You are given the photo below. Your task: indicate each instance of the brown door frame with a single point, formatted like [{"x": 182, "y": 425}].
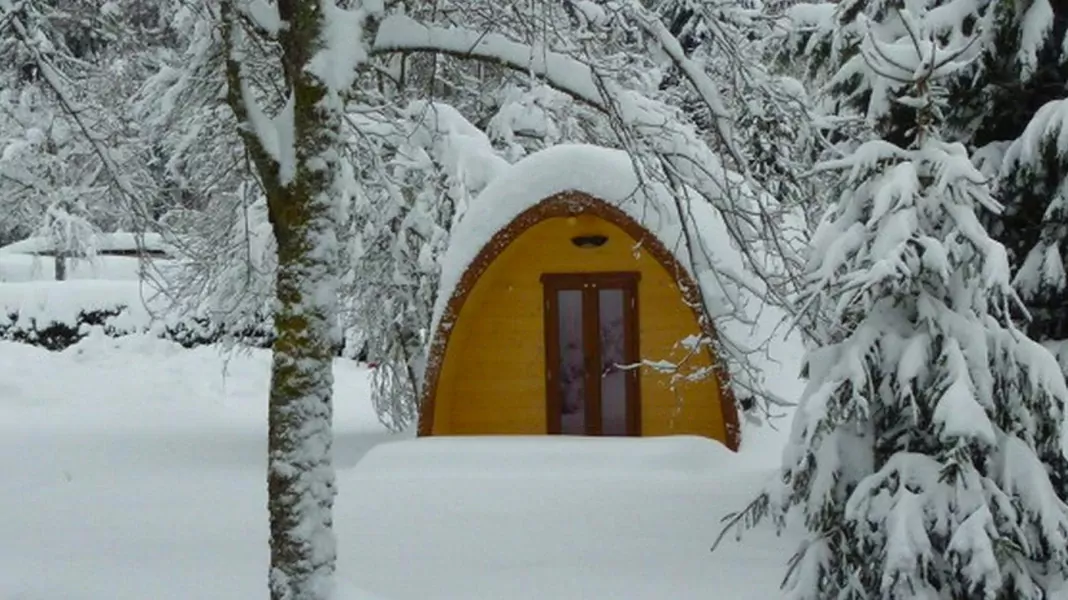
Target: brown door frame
[{"x": 590, "y": 284}]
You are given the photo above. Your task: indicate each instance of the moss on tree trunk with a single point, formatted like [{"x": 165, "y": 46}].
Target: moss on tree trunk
[{"x": 300, "y": 477}]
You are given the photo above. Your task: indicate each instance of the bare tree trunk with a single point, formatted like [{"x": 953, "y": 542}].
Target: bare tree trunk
[
  {"x": 300, "y": 477},
  {"x": 300, "y": 199},
  {"x": 60, "y": 260}
]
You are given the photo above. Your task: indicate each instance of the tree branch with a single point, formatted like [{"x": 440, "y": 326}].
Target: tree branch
[
  {"x": 704, "y": 86},
  {"x": 398, "y": 33},
  {"x": 267, "y": 167},
  {"x": 51, "y": 77}
]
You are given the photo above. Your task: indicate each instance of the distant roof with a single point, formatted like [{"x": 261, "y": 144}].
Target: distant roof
[{"x": 116, "y": 243}]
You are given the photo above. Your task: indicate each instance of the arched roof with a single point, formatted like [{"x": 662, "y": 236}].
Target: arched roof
[
  {"x": 566, "y": 181},
  {"x": 607, "y": 175}
]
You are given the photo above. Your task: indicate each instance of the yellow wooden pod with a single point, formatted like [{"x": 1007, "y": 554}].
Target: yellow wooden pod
[{"x": 575, "y": 319}]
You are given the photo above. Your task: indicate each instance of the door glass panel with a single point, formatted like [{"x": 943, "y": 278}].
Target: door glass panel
[
  {"x": 572, "y": 363},
  {"x": 613, "y": 358}
]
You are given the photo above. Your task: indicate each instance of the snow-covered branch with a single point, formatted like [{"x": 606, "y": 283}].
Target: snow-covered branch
[
  {"x": 51, "y": 76},
  {"x": 253, "y": 124},
  {"x": 706, "y": 89},
  {"x": 650, "y": 125},
  {"x": 399, "y": 33}
]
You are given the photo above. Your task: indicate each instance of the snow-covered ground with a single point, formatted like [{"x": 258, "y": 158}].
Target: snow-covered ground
[
  {"x": 61, "y": 301},
  {"x": 134, "y": 469}
]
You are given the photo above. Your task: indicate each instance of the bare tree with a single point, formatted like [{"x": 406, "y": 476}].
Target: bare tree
[{"x": 294, "y": 152}]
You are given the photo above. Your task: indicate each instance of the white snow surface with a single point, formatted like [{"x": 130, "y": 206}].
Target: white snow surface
[
  {"x": 61, "y": 301},
  {"x": 603, "y": 173},
  {"x": 135, "y": 469},
  {"x": 343, "y": 47},
  {"x": 265, "y": 15}
]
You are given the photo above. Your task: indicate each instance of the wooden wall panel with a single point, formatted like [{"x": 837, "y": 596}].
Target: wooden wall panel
[{"x": 493, "y": 377}]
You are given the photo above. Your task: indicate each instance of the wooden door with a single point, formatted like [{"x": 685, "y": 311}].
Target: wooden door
[{"x": 591, "y": 343}]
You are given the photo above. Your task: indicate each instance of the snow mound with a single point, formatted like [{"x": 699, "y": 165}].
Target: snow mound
[
  {"x": 97, "y": 347},
  {"x": 555, "y": 456},
  {"x": 140, "y": 382}
]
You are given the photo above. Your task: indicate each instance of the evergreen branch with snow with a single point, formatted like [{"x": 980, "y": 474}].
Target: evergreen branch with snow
[{"x": 926, "y": 409}]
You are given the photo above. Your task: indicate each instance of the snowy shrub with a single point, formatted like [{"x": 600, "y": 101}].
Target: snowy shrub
[
  {"x": 58, "y": 335},
  {"x": 56, "y": 315},
  {"x": 114, "y": 322}
]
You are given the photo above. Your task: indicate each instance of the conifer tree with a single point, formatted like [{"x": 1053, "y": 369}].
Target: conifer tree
[
  {"x": 1017, "y": 66},
  {"x": 1004, "y": 108},
  {"x": 1013, "y": 73},
  {"x": 1034, "y": 178},
  {"x": 916, "y": 453}
]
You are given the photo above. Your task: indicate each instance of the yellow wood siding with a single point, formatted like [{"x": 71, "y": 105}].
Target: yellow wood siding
[{"x": 492, "y": 379}]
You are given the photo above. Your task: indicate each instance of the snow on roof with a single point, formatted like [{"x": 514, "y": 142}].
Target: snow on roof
[
  {"x": 607, "y": 175},
  {"x": 103, "y": 242}
]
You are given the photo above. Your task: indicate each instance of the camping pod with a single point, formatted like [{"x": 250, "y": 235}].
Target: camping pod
[{"x": 566, "y": 307}]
